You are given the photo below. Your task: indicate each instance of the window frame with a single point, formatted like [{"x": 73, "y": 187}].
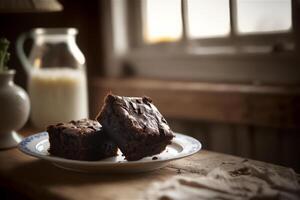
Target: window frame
[
  {"x": 140, "y": 55},
  {"x": 136, "y": 18}
]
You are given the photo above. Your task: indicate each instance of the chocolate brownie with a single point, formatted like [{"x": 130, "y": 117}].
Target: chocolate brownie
[
  {"x": 136, "y": 125},
  {"x": 80, "y": 140}
]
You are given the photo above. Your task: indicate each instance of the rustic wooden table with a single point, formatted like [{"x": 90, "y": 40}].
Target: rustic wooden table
[{"x": 38, "y": 179}]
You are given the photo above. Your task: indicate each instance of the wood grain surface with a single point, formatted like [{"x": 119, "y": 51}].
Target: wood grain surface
[{"x": 37, "y": 179}]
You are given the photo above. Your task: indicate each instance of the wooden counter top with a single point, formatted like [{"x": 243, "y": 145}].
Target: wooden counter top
[{"x": 38, "y": 179}]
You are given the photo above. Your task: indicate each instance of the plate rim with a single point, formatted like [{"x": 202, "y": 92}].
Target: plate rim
[{"x": 56, "y": 159}]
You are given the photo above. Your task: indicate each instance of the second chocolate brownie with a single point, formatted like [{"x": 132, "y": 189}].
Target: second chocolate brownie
[
  {"x": 136, "y": 125},
  {"x": 80, "y": 140}
]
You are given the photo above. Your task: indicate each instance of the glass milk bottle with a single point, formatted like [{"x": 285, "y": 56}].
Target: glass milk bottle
[{"x": 57, "y": 83}]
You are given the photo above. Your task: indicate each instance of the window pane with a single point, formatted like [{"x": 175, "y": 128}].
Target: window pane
[
  {"x": 162, "y": 21},
  {"x": 263, "y": 15},
  {"x": 208, "y": 18}
]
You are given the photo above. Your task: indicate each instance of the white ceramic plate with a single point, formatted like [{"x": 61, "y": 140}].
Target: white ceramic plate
[{"x": 37, "y": 146}]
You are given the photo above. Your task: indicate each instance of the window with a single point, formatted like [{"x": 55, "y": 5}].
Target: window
[
  {"x": 215, "y": 40},
  {"x": 208, "y": 18},
  {"x": 166, "y": 21},
  {"x": 253, "y": 17},
  {"x": 162, "y": 21}
]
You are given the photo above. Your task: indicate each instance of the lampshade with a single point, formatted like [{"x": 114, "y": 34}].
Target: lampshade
[{"x": 20, "y": 6}]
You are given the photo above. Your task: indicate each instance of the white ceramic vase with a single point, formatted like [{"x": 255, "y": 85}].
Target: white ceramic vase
[{"x": 14, "y": 110}]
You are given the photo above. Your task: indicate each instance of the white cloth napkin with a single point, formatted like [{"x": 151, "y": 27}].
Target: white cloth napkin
[{"x": 235, "y": 181}]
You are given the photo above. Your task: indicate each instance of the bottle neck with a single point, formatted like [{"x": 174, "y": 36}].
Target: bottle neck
[
  {"x": 40, "y": 39},
  {"x": 53, "y": 35},
  {"x": 7, "y": 78}
]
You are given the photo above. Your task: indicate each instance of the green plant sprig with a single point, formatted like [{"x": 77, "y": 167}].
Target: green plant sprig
[{"x": 4, "y": 55}]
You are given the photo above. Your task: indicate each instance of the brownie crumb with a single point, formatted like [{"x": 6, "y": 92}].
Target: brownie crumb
[{"x": 240, "y": 172}]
